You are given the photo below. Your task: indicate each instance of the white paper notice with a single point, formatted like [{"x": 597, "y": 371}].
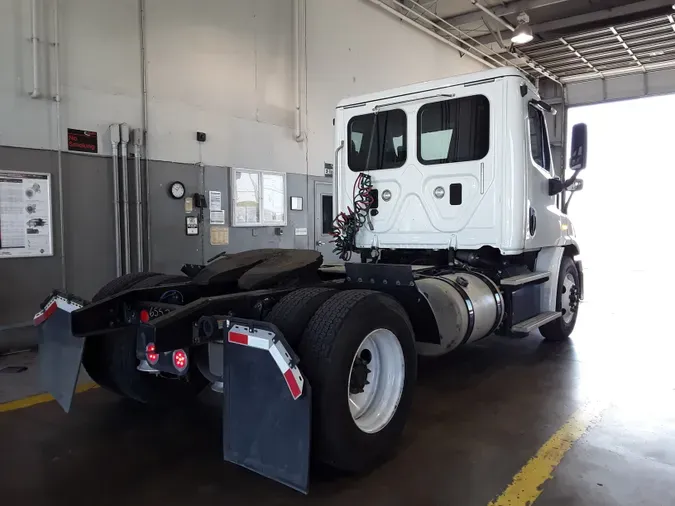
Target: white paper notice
[
  {"x": 215, "y": 201},
  {"x": 25, "y": 214},
  {"x": 217, "y": 217}
]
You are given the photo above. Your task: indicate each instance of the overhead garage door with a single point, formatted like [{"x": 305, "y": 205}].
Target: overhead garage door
[{"x": 650, "y": 83}]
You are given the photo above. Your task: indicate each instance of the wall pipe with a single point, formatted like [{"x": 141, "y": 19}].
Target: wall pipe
[
  {"x": 34, "y": 43},
  {"x": 126, "y": 225},
  {"x": 115, "y": 140},
  {"x": 59, "y": 145},
  {"x": 144, "y": 126},
  {"x": 297, "y": 28},
  {"x": 138, "y": 183}
]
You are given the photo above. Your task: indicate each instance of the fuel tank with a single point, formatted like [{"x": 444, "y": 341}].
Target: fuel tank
[{"x": 467, "y": 307}]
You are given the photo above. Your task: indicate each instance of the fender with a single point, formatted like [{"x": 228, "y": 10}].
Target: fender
[{"x": 549, "y": 259}]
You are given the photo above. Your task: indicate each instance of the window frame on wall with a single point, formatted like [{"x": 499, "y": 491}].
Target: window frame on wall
[
  {"x": 260, "y": 196},
  {"x": 457, "y": 132}
]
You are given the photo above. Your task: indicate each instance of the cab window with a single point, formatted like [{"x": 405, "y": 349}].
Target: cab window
[
  {"x": 455, "y": 130},
  {"x": 377, "y": 141},
  {"x": 541, "y": 153}
]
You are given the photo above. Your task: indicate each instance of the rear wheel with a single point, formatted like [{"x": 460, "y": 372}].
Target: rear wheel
[
  {"x": 146, "y": 387},
  {"x": 293, "y": 312},
  {"x": 567, "y": 302},
  {"x": 111, "y": 360},
  {"x": 358, "y": 353},
  {"x": 94, "y": 357}
]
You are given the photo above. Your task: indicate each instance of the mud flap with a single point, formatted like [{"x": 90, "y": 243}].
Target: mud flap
[
  {"x": 267, "y": 404},
  {"x": 60, "y": 353}
]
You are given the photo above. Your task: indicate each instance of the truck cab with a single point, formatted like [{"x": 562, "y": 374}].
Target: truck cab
[{"x": 455, "y": 164}]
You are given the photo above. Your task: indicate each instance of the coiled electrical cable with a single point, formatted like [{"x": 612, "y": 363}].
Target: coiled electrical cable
[{"x": 346, "y": 225}]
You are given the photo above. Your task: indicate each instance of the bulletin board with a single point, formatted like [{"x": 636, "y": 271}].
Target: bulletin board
[{"x": 25, "y": 214}]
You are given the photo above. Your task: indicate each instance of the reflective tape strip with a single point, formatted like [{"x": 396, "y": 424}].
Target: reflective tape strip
[
  {"x": 56, "y": 302},
  {"x": 255, "y": 338},
  {"x": 292, "y": 375},
  {"x": 264, "y": 340}
]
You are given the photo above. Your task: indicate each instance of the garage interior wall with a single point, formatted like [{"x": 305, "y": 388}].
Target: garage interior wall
[{"x": 221, "y": 67}]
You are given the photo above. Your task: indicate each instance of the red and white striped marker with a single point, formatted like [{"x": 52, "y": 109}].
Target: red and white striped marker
[
  {"x": 264, "y": 340},
  {"x": 56, "y": 302}
]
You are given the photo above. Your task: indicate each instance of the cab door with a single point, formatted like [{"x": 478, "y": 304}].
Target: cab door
[{"x": 543, "y": 216}]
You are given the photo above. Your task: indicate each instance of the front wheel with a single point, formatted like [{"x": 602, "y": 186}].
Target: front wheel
[
  {"x": 358, "y": 352},
  {"x": 567, "y": 302}
]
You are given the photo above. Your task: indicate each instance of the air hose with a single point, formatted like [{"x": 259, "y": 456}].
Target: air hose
[{"x": 346, "y": 225}]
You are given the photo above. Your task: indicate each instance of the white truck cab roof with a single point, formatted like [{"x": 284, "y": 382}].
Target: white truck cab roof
[{"x": 458, "y": 80}]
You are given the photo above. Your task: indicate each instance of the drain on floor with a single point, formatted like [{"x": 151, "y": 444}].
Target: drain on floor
[{"x": 13, "y": 369}]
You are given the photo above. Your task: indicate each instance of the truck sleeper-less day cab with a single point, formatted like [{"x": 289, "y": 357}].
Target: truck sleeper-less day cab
[{"x": 453, "y": 227}]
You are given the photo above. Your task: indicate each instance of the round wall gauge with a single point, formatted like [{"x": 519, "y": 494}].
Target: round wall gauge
[{"x": 177, "y": 190}]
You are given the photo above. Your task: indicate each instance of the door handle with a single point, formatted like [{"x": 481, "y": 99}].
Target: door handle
[{"x": 320, "y": 243}]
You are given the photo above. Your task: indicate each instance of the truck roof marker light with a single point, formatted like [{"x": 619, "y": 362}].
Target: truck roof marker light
[
  {"x": 144, "y": 316},
  {"x": 151, "y": 355},
  {"x": 180, "y": 360}
]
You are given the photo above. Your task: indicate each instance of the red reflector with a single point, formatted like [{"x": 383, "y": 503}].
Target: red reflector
[
  {"x": 292, "y": 384},
  {"x": 180, "y": 360},
  {"x": 150, "y": 354},
  {"x": 46, "y": 313},
  {"x": 238, "y": 338},
  {"x": 145, "y": 316}
]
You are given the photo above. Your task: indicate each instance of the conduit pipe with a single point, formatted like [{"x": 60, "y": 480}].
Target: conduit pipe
[
  {"x": 297, "y": 29},
  {"x": 115, "y": 140},
  {"x": 138, "y": 183},
  {"x": 411, "y": 22},
  {"x": 59, "y": 145},
  {"x": 499, "y": 19},
  {"x": 124, "y": 136},
  {"x": 144, "y": 126},
  {"x": 34, "y": 43}
]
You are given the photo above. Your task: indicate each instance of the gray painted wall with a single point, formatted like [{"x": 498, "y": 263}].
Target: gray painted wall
[{"x": 89, "y": 229}]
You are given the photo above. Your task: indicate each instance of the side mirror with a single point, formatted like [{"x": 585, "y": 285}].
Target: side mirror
[{"x": 579, "y": 147}]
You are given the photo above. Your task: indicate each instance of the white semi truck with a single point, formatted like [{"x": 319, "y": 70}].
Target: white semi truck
[{"x": 453, "y": 226}]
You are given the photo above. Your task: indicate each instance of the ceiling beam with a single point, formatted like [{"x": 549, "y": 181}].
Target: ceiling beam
[
  {"x": 508, "y": 9},
  {"x": 590, "y": 17}
]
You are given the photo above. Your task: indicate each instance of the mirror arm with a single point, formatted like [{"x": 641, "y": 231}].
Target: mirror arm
[
  {"x": 571, "y": 180},
  {"x": 566, "y": 204}
]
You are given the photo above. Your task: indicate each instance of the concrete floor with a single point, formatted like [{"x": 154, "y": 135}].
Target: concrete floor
[{"x": 479, "y": 415}]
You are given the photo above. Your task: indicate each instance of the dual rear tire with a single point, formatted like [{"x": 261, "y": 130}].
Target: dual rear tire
[{"x": 358, "y": 353}]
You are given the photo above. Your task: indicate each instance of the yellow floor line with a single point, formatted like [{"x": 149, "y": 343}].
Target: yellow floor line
[
  {"x": 39, "y": 399},
  {"x": 527, "y": 484}
]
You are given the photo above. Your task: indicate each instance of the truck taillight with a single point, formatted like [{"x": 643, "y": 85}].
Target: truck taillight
[
  {"x": 144, "y": 316},
  {"x": 180, "y": 360},
  {"x": 151, "y": 355}
]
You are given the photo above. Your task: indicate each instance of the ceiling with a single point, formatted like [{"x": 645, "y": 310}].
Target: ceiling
[{"x": 574, "y": 39}]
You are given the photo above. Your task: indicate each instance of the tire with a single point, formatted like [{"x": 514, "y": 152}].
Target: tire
[
  {"x": 94, "y": 354},
  {"x": 327, "y": 352},
  {"x": 143, "y": 387},
  {"x": 293, "y": 312},
  {"x": 561, "y": 329}
]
